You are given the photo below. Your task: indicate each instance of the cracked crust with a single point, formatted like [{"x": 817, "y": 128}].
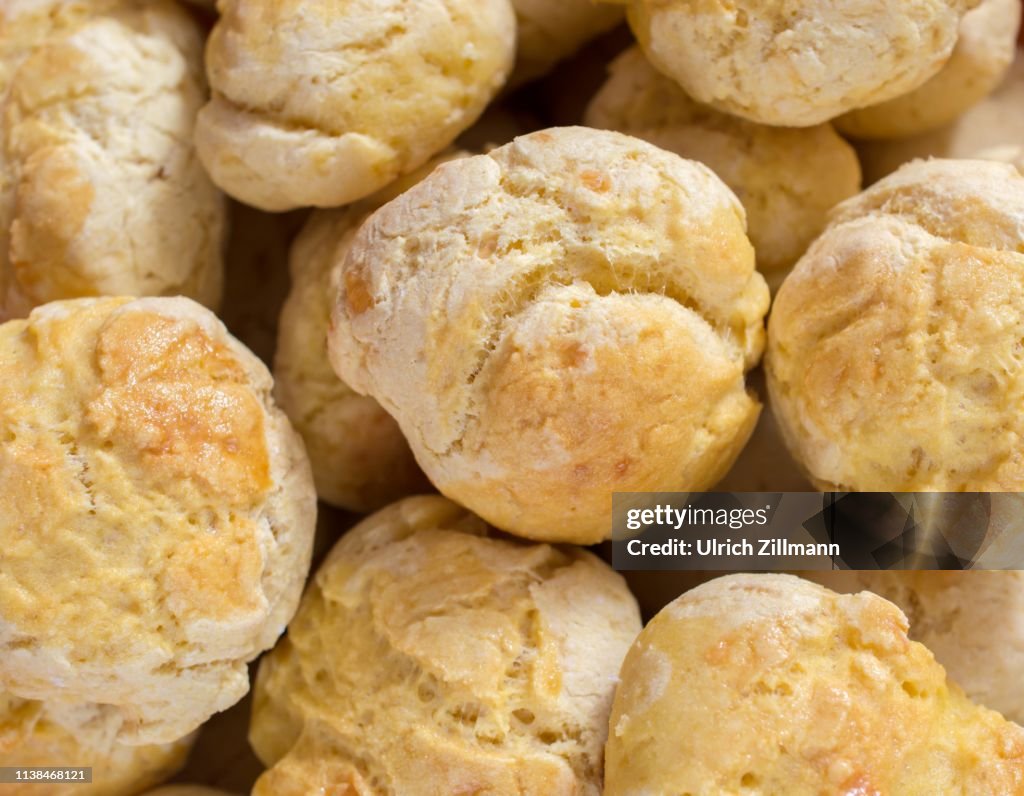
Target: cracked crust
[
  {"x": 56, "y": 734},
  {"x": 894, "y": 359},
  {"x": 344, "y": 98},
  {"x": 481, "y": 664},
  {"x": 797, "y": 63},
  {"x": 787, "y": 179},
  {"x": 983, "y": 53},
  {"x": 101, "y": 191},
  {"x": 143, "y": 453},
  {"x": 772, "y": 684},
  {"x": 600, "y": 309}
]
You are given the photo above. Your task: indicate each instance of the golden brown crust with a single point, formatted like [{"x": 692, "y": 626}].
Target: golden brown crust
[
  {"x": 428, "y": 657},
  {"x": 144, "y": 452},
  {"x": 600, "y": 309},
  {"x": 771, "y": 684}
]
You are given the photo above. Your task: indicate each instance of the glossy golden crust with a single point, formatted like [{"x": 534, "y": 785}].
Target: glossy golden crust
[
  {"x": 429, "y": 657},
  {"x": 143, "y": 453},
  {"x": 323, "y": 103},
  {"x": 797, "y": 63},
  {"x": 600, "y": 311},
  {"x": 101, "y": 192},
  {"x": 772, "y": 684},
  {"x": 894, "y": 346},
  {"x": 787, "y": 179},
  {"x": 54, "y": 734}
]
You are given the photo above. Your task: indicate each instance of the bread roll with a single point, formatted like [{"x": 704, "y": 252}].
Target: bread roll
[
  {"x": 156, "y": 513},
  {"x": 547, "y": 32},
  {"x": 186, "y": 790}
]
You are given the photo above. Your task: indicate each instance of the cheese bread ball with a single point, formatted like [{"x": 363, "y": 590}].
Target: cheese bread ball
[
  {"x": 787, "y": 179},
  {"x": 548, "y": 32},
  {"x": 771, "y": 684},
  {"x": 430, "y": 656},
  {"x": 323, "y": 103},
  {"x": 991, "y": 130},
  {"x": 894, "y": 359},
  {"x": 983, "y": 53},
  {"x": 42, "y": 734},
  {"x": 973, "y": 621},
  {"x": 101, "y": 191},
  {"x": 797, "y": 63},
  {"x": 360, "y": 458},
  {"x": 569, "y": 315},
  {"x": 156, "y": 512}
]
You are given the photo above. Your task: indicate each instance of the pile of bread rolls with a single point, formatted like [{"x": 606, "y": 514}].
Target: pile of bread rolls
[{"x": 469, "y": 267}]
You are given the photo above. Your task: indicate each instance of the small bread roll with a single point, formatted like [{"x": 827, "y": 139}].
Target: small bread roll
[
  {"x": 771, "y": 684},
  {"x": 429, "y": 657},
  {"x": 569, "y": 315},
  {"x": 359, "y": 456},
  {"x": 787, "y": 179},
  {"x": 54, "y": 734},
  {"x": 983, "y": 53},
  {"x": 894, "y": 358},
  {"x": 322, "y": 103},
  {"x": 973, "y": 621},
  {"x": 797, "y": 64},
  {"x": 156, "y": 513},
  {"x": 991, "y": 130},
  {"x": 101, "y": 192},
  {"x": 548, "y": 32}
]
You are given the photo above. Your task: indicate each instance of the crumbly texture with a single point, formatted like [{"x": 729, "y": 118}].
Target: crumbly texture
[
  {"x": 430, "y": 657},
  {"x": 548, "y": 32},
  {"x": 359, "y": 455},
  {"x": 894, "y": 358},
  {"x": 796, "y": 63},
  {"x": 101, "y": 191},
  {"x": 983, "y": 53},
  {"x": 568, "y": 316},
  {"x": 787, "y": 179},
  {"x": 972, "y": 621},
  {"x": 156, "y": 513},
  {"x": 991, "y": 130},
  {"x": 322, "y": 103},
  {"x": 54, "y": 734},
  {"x": 771, "y": 684}
]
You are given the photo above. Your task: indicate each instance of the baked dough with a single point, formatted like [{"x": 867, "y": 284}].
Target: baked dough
[
  {"x": 797, "y": 63},
  {"x": 187, "y": 790},
  {"x": 787, "y": 179},
  {"x": 54, "y": 734},
  {"x": 567, "y": 316},
  {"x": 771, "y": 684},
  {"x": 547, "y": 32},
  {"x": 983, "y": 53},
  {"x": 101, "y": 192},
  {"x": 894, "y": 359},
  {"x": 430, "y": 657},
  {"x": 322, "y": 103},
  {"x": 359, "y": 456},
  {"x": 973, "y": 621},
  {"x": 156, "y": 513}
]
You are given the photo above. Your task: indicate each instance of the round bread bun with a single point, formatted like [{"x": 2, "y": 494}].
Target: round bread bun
[
  {"x": 772, "y": 684},
  {"x": 787, "y": 179},
  {"x": 323, "y": 103},
  {"x": 569, "y": 315},
  {"x": 894, "y": 359},
  {"x": 991, "y": 130},
  {"x": 973, "y": 621},
  {"x": 40, "y": 734},
  {"x": 431, "y": 657},
  {"x": 797, "y": 64},
  {"x": 101, "y": 192},
  {"x": 983, "y": 53},
  {"x": 360, "y": 458},
  {"x": 547, "y": 32},
  {"x": 158, "y": 512}
]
